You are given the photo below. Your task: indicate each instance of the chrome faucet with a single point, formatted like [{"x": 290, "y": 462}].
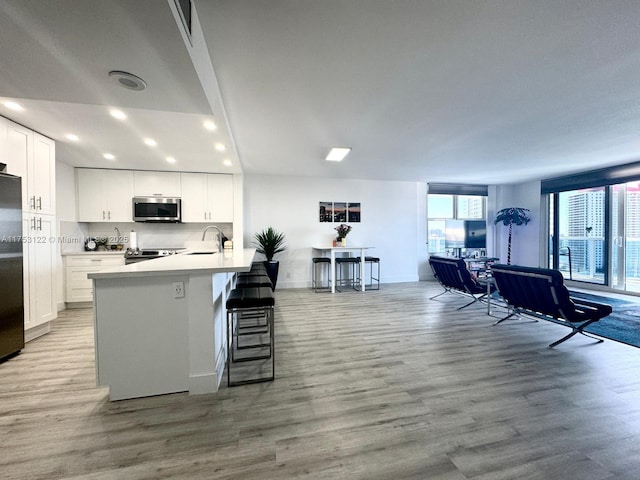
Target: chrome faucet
[{"x": 220, "y": 235}]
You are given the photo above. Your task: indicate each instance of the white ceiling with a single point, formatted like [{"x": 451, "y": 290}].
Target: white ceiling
[{"x": 492, "y": 91}]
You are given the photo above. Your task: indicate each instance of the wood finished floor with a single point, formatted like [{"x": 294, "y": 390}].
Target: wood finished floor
[{"x": 381, "y": 385}]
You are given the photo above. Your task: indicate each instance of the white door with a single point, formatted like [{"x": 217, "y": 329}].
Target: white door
[{"x": 42, "y": 175}]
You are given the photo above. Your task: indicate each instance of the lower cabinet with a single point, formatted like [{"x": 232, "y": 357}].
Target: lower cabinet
[
  {"x": 39, "y": 269},
  {"x": 78, "y": 288}
]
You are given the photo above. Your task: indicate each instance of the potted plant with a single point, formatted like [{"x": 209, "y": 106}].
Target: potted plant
[
  {"x": 269, "y": 242},
  {"x": 512, "y": 216},
  {"x": 342, "y": 229}
]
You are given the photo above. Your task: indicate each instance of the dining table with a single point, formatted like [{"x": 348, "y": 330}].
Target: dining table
[{"x": 331, "y": 252}]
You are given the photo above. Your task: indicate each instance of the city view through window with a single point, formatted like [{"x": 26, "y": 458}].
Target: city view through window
[
  {"x": 450, "y": 207},
  {"x": 584, "y": 254}
]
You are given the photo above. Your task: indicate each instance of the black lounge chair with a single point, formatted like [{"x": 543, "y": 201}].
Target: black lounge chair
[
  {"x": 455, "y": 277},
  {"x": 541, "y": 293}
]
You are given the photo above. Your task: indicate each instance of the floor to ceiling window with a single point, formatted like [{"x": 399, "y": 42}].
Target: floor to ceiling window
[
  {"x": 594, "y": 229},
  {"x": 581, "y": 234},
  {"x": 450, "y": 206}
]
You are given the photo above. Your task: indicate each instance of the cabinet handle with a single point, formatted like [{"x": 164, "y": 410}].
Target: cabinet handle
[
  {"x": 33, "y": 223},
  {"x": 32, "y": 203},
  {"x": 40, "y": 224},
  {"x": 96, "y": 260},
  {"x": 205, "y": 215},
  {"x": 39, "y": 203},
  {"x": 103, "y": 215},
  {"x": 109, "y": 214}
]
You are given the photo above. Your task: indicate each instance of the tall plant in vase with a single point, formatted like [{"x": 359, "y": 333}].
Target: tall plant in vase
[
  {"x": 269, "y": 242},
  {"x": 512, "y": 216}
]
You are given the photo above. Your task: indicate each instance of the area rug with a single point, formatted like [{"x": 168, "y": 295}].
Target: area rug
[{"x": 623, "y": 325}]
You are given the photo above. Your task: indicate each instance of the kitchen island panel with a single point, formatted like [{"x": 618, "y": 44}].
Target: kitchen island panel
[{"x": 142, "y": 344}]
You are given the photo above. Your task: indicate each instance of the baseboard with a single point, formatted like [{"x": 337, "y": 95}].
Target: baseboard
[
  {"x": 206, "y": 383},
  {"x": 36, "y": 332}
]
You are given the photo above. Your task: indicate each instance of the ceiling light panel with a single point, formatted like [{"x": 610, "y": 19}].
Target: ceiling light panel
[
  {"x": 337, "y": 154},
  {"x": 13, "y": 106},
  {"x": 220, "y": 147},
  {"x": 150, "y": 142},
  {"x": 209, "y": 125},
  {"x": 109, "y": 156},
  {"x": 119, "y": 114},
  {"x": 72, "y": 137}
]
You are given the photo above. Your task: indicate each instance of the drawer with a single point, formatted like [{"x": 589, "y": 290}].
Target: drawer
[
  {"x": 79, "y": 294},
  {"x": 78, "y": 275},
  {"x": 95, "y": 260}
]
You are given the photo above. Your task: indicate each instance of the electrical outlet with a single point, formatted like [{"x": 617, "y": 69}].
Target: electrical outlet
[{"x": 178, "y": 289}]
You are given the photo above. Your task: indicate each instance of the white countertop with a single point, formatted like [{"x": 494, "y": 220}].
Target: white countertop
[
  {"x": 97, "y": 252},
  {"x": 236, "y": 260}
]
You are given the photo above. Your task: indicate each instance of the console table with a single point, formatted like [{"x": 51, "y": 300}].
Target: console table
[{"x": 332, "y": 253}]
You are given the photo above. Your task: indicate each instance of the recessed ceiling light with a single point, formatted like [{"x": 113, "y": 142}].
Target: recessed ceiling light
[
  {"x": 171, "y": 160},
  {"x": 209, "y": 125},
  {"x": 13, "y": 106},
  {"x": 72, "y": 137},
  {"x": 220, "y": 147},
  {"x": 119, "y": 114},
  {"x": 227, "y": 162},
  {"x": 127, "y": 80},
  {"x": 337, "y": 154},
  {"x": 150, "y": 141},
  {"x": 109, "y": 156}
]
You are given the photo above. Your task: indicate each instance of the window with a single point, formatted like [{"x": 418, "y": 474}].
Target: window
[
  {"x": 443, "y": 207},
  {"x": 594, "y": 232}
]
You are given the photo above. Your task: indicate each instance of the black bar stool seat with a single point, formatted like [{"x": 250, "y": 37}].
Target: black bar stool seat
[
  {"x": 253, "y": 303},
  {"x": 325, "y": 264},
  {"x": 353, "y": 280}
]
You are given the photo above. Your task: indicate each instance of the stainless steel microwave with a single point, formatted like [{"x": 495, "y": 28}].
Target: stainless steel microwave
[{"x": 157, "y": 209}]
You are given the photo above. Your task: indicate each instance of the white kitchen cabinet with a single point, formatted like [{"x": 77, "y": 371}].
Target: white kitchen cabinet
[
  {"x": 104, "y": 195},
  {"x": 39, "y": 254},
  {"x": 32, "y": 157},
  {"x": 207, "y": 197},
  {"x": 78, "y": 288},
  {"x": 156, "y": 184},
  {"x": 41, "y": 176}
]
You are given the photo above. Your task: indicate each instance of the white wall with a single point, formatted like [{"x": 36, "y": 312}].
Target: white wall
[{"x": 390, "y": 222}]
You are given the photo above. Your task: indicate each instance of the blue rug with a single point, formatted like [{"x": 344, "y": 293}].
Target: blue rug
[{"x": 623, "y": 325}]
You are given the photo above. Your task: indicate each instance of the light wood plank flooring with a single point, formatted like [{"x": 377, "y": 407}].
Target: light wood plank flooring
[{"x": 377, "y": 385}]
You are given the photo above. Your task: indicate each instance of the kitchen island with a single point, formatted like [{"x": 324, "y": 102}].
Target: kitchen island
[{"x": 160, "y": 324}]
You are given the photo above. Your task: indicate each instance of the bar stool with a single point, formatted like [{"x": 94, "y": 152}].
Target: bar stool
[
  {"x": 249, "y": 358},
  {"x": 353, "y": 280},
  {"x": 325, "y": 269},
  {"x": 373, "y": 261}
]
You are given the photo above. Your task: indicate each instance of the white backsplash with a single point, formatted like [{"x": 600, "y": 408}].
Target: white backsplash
[{"x": 149, "y": 235}]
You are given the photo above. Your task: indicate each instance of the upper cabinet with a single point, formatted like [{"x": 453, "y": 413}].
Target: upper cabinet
[
  {"x": 156, "y": 184},
  {"x": 104, "y": 195},
  {"x": 32, "y": 156},
  {"x": 207, "y": 197}
]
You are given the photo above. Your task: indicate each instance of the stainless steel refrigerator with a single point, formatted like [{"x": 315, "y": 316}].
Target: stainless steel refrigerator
[{"x": 11, "y": 288}]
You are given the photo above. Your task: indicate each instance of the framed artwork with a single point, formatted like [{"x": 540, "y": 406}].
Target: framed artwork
[
  {"x": 326, "y": 211},
  {"x": 353, "y": 212},
  {"x": 339, "y": 212}
]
